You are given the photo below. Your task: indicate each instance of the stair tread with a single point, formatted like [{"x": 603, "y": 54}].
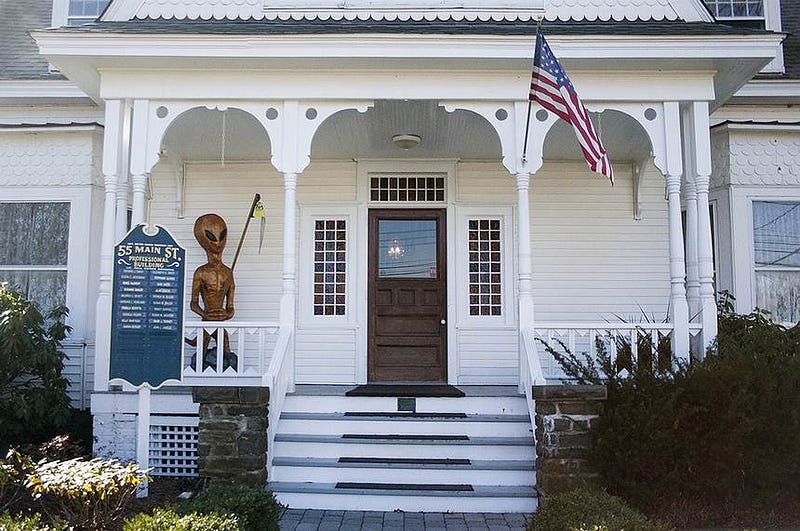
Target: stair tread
[
  {"x": 389, "y": 463},
  {"x": 494, "y": 441},
  {"x": 419, "y": 417},
  {"x": 477, "y": 491}
]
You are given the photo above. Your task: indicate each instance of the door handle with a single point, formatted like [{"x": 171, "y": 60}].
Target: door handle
[{"x": 442, "y": 326}]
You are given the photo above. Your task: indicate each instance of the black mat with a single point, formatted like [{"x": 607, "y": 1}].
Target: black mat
[
  {"x": 404, "y": 415},
  {"x": 404, "y": 486},
  {"x": 407, "y": 390},
  {"x": 403, "y": 461},
  {"x": 392, "y": 437}
]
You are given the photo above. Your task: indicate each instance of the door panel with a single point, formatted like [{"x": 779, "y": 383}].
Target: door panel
[{"x": 407, "y": 296}]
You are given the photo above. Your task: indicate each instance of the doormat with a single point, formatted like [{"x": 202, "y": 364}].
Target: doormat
[{"x": 407, "y": 390}]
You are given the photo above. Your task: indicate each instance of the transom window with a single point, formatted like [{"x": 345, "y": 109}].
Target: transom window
[
  {"x": 33, "y": 250},
  {"x": 776, "y": 242},
  {"x": 408, "y": 188},
  {"x": 84, "y": 11}
]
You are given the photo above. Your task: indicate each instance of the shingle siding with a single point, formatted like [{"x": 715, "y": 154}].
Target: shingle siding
[
  {"x": 19, "y": 56},
  {"x": 790, "y": 20}
]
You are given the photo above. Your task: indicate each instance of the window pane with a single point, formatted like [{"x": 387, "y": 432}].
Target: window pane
[
  {"x": 83, "y": 11},
  {"x": 34, "y": 233},
  {"x": 779, "y": 292},
  {"x": 46, "y": 288},
  {"x": 407, "y": 248},
  {"x": 776, "y": 234}
]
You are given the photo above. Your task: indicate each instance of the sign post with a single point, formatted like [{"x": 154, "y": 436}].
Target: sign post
[{"x": 147, "y": 320}]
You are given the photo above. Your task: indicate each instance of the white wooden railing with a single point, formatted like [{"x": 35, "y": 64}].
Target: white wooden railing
[
  {"x": 279, "y": 378},
  {"x": 581, "y": 339},
  {"x": 530, "y": 370},
  {"x": 251, "y": 344}
]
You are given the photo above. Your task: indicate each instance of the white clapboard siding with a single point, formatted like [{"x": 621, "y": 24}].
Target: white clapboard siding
[
  {"x": 327, "y": 181},
  {"x": 73, "y": 372},
  {"x": 485, "y": 182},
  {"x": 591, "y": 259},
  {"x": 325, "y": 356},
  {"x": 228, "y": 191},
  {"x": 488, "y": 357}
]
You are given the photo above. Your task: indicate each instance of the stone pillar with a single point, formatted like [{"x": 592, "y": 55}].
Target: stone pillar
[
  {"x": 232, "y": 438},
  {"x": 564, "y": 416}
]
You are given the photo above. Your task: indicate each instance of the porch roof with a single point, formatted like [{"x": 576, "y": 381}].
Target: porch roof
[{"x": 423, "y": 27}]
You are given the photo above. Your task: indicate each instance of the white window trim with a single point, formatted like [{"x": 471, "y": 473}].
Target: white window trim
[
  {"x": 309, "y": 214},
  {"x": 79, "y": 294},
  {"x": 61, "y": 13},
  {"x": 508, "y": 317}
]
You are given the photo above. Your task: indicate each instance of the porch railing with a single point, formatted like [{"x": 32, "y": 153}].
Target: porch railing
[
  {"x": 582, "y": 339},
  {"x": 207, "y": 363},
  {"x": 530, "y": 370},
  {"x": 279, "y": 378}
]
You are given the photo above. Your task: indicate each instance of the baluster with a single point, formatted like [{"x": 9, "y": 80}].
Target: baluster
[
  {"x": 550, "y": 360},
  {"x": 634, "y": 346},
  {"x": 571, "y": 340},
  {"x": 241, "y": 337},
  {"x": 220, "y": 348},
  {"x": 198, "y": 350},
  {"x": 593, "y": 343},
  {"x": 261, "y": 353}
]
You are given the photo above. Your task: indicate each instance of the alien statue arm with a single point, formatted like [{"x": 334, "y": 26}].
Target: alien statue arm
[{"x": 195, "y": 303}]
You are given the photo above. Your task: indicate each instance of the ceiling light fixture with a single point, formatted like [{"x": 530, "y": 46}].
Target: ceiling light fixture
[{"x": 406, "y": 141}]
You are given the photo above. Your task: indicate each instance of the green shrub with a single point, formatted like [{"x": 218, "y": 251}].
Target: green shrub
[
  {"x": 257, "y": 510},
  {"x": 14, "y": 470},
  {"x": 33, "y": 522},
  {"x": 33, "y": 397},
  {"x": 169, "y": 520},
  {"x": 86, "y": 494},
  {"x": 586, "y": 509},
  {"x": 724, "y": 431}
]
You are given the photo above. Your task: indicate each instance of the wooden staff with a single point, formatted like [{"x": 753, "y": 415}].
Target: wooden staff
[{"x": 256, "y": 199}]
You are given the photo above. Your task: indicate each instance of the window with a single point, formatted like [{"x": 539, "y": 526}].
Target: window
[
  {"x": 485, "y": 283},
  {"x": 33, "y": 250},
  {"x": 84, "y": 11},
  {"x": 748, "y": 13},
  {"x": 408, "y": 188},
  {"x": 776, "y": 242},
  {"x": 330, "y": 263}
]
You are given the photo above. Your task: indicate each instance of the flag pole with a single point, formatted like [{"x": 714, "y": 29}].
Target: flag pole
[
  {"x": 530, "y": 103},
  {"x": 256, "y": 199}
]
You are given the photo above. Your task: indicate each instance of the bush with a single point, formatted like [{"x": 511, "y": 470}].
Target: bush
[
  {"x": 33, "y": 397},
  {"x": 169, "y": 520},
  {"x": 86, "y": 494},
  {"x": 589, "y": 509},
  {"x": 14, "y": 470},
  {"x": 20, "y": 522},
  {"x": 721, "y": 433},
  {"x": 257, "y": 510}
]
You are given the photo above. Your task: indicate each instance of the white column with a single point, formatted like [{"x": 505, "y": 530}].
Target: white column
[
  {"x": 124, "y": 181},
  {"x": 677, "y": 264},
  {"x": 138, "y": 162},
  {"x": 289, "y": 249},
  {"x": 524, "y": 251},
  {"x": 114, "y": 117},
  {"x": 705, "y": 251},
  {"x": 690, "y": 202},
  {"x": 677, "y": 271}
]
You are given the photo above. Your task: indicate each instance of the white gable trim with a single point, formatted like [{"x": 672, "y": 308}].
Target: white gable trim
[
  {"x": 691, "y": 10},
  {"x": 121, "y": 10}
]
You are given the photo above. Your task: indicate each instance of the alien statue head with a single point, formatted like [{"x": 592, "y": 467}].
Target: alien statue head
[{"x": 211, "y": 233}]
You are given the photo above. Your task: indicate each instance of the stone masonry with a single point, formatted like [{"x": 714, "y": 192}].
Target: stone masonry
[
  {"x": 232, "y": 439},
  {"x": 564, "y": 416}
]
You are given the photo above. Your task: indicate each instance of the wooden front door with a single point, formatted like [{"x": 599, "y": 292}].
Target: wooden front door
[{"x": 407, "y": 331}]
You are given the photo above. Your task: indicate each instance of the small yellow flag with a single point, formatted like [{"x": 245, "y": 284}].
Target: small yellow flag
[{"x": 258, "y": 211}]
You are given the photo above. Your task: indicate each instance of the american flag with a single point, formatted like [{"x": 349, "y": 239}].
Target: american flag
[{"x": 552, "y": 89}]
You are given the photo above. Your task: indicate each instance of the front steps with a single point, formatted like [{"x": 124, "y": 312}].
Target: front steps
[{"x": 470, "y": 454}]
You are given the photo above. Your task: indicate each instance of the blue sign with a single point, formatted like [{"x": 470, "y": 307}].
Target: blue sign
[{"x": 147, "y": 308}]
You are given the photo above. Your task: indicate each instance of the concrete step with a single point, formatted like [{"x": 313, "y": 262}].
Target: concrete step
[
  {"x": 339, "y": 423},
  {"x": 480, "y": 405},
  {"x": 335, "y": 446},
  {"x": 403, "y": 470},
  {"x": 481, "y": 499}
]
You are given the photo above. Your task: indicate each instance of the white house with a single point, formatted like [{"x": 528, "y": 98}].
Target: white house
[{"x": 438, "y": 256}]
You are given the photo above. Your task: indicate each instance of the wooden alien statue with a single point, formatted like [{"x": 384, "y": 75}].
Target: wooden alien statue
[{"x": 213, "y": 286}]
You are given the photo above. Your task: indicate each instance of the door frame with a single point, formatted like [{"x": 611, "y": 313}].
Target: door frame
[
  {"x": 373, "y": 217},
  {"x": 363, "y": 170}
]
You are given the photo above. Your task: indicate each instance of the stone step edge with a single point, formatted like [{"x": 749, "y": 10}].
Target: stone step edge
[
  {"x": 479, "y": 491},
  {"x": 295, "y": 415},
  {"x": 332, "y": 462},
  {"x": 337, "y": 439}
]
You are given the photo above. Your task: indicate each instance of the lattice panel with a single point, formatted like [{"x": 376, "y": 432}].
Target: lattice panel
[
  {"x": 407, "y": 188},
  {"x": 330, "y": 266},
  {"x": 485, "y": 280},
  {"x": 173, "y": 447}
]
